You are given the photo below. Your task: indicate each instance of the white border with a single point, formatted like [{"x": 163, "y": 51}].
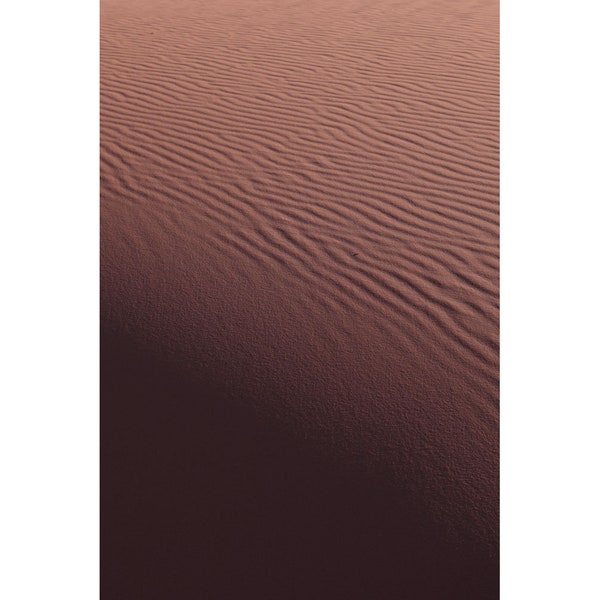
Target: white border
[
  {"x": 549, "y": 300},
  {"x": 49, "y": 334}
]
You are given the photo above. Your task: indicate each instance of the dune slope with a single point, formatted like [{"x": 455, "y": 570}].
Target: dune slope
[{"x": 299, "y": 228}]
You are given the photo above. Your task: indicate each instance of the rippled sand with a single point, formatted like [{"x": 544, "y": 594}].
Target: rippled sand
[{"x": 299, "y": 299}]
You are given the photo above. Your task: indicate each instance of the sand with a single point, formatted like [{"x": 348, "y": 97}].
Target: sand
[{"x": 299, "y": 279}]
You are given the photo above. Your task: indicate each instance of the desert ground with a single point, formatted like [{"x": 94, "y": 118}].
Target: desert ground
[{"x": 299, "y": 299}]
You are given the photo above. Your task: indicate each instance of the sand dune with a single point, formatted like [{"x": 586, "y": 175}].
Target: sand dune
[{"x": 299, "y": 299}]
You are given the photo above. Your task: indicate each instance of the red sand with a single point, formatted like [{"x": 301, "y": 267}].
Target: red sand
[{"x": 299, "y": 299}]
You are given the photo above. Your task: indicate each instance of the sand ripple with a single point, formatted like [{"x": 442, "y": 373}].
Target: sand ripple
[{"x": 307, "y": 191}]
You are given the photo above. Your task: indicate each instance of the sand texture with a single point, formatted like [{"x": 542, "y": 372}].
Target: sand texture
[{"x": 299, "y": 279}]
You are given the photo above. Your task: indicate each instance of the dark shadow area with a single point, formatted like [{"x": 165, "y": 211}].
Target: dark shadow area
[{"x": 202, "y": 500}]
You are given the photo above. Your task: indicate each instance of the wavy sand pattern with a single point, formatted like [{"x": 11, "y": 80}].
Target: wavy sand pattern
[{"x": 299, "y": 298}]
